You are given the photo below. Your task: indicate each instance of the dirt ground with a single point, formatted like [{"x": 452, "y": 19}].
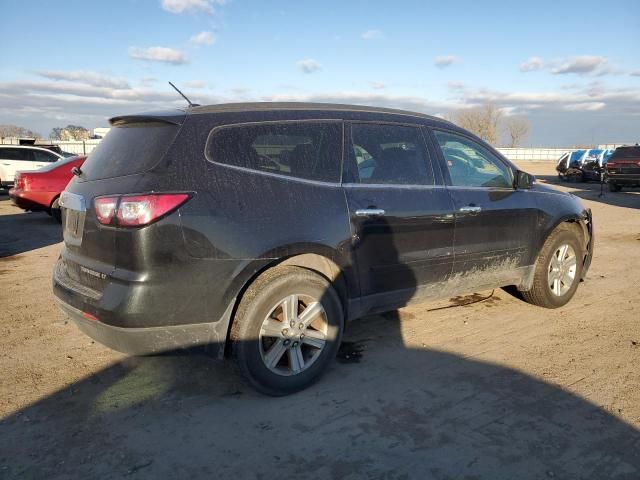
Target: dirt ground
[{"x": 495, "y": 389}]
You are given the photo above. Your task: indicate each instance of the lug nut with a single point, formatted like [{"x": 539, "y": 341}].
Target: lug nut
[
  {"x": 285, "y": 331},
  {"x": 301, "y": 336},
  {"x": 286, "y": 343},
  {"x": 295, "y": 344},
  {"x": 292, "y": 323},
  {"x": 301, "y": 326}
]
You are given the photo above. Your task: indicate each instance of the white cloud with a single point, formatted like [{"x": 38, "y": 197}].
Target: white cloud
[
  {"x": 443, "y": 61},
  {"x": 195, "y": 84},
  {"x": 159, "y": 54},
  {"x": 532, "y": 64},
  {"x": 584, "y": 107},
  {"x": 86, "y": 77},
  {"x": 455, "y": 85},
  {"x": 581, "y": 65},
  {"x": 309, "y": 65},
  {"x": 635, "y": 73},
  {"x": 192, "y": 6},
  {"x": 203, "y": 38},
  {"x": 372, "y": 35},
  {"x": 378, "y": 85}
]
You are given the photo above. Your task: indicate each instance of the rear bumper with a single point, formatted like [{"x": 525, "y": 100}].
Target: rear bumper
[
  {"x": 143, "y": 341},
  {"x": 624, "y": 178},
  {"x": 20, "y": 200},
  {"x": 120, "y": 319}
]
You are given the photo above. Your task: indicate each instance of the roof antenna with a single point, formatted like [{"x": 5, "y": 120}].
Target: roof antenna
[{"x": 184, "y": 96}]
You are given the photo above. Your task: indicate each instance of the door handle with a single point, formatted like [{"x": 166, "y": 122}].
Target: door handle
[
  {"x": 370, "y": 212},
  {"x": 470, "y": 209}
]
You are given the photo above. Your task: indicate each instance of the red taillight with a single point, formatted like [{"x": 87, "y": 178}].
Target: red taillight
[
  {"x": 105, "y": 209},
  {"x": 137, "y": 210}
]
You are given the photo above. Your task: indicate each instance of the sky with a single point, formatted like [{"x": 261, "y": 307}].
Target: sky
[{"x": 571, "y": 68}]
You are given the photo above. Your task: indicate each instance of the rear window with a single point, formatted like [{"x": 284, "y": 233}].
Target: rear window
[
  {"x": 626, "y": 152},
  {"x": 309, "y": 150},
  {"x": 128, "y": 149}
]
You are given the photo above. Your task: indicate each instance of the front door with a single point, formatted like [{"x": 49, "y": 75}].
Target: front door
[
  {"x": 495, "y": 223},
  {"x": 401, "y": 214}
]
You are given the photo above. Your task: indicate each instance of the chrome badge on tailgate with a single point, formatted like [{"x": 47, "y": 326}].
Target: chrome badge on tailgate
[{"x": 74, "y": 210}]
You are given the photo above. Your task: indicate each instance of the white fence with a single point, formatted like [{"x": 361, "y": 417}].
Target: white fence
[
  {"x": 81, "y": 148},
  {"x": 533, "y": 154}
]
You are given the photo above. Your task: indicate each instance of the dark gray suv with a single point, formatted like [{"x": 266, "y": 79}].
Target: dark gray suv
[{"x": 258, "y": 230}]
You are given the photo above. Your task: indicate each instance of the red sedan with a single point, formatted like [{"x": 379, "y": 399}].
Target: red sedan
[{"x": 38, "y": 190}]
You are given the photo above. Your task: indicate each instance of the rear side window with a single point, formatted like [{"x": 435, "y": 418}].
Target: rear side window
[
  {"x": 128, "y": 149},
  {"x": 309, "y": 150},
  {"x": 390, "y": 154}
]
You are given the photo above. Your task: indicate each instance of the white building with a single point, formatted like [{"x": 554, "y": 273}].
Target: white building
[{"x": 100, "y": 132}]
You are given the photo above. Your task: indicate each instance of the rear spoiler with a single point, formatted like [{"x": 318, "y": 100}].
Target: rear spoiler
[{"x": 175, "y": 117}]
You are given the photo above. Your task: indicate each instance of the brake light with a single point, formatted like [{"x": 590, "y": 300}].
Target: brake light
[{"x": 137, "y": 210}]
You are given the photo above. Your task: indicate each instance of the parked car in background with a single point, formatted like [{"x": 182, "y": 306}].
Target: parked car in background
[
  {"x": 39, "y": 190},
  {"x": 567, "y": 163},
  {"x": 593, "y": 164},
  {"x": 623, "y": 168},
  {"x": 260, "y": 229},
  {"x": 21, "y": 157},
  {"x": 582, "y": 165}
]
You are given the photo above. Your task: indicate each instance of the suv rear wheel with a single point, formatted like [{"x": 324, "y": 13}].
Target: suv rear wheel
[
  {"x": 287, "y": 330},
  {"x": 558, "y": 269}
]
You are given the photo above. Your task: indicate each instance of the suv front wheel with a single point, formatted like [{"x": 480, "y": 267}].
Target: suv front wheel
[
  {"x": 558, "y": 269},
  {"x": 287, "y": 330}
]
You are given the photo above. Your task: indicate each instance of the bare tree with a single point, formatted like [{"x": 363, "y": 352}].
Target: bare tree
[
  {"x": 483, "y": 121},
  {"x": 16, "y": 131},
  {"x": 70, "y": 132},
  {"x": 517, "y": 128}
]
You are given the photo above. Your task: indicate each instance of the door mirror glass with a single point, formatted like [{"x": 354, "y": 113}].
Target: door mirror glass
[{"x": 524, "y": 179}]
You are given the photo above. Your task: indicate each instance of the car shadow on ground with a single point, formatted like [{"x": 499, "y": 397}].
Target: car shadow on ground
[
  {"x": 23, "y": 232},
  {"x": 628, "y": 198},
  {"x": 382, "y": 411}
]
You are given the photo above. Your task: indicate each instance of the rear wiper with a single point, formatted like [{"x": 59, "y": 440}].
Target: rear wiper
[{"x": 76, "y": 171}]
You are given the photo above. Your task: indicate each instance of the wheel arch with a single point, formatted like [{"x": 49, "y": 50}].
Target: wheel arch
[
  {"x": 583, "y": 225},
  {"x": 318, "y": 258}
]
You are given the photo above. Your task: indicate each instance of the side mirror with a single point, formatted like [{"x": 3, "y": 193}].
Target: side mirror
[{"x": 523, "y": 180}]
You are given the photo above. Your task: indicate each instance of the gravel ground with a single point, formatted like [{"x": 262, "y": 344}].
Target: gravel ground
[{"x": 494, "y": 389}]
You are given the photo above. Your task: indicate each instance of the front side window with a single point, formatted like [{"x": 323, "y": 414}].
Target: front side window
[
  {"x": 40, "y": 156},
  {"x": 390, "y": 154},
  {"x": 309, "y": 150},
  {"x": 470, "y": 164}
]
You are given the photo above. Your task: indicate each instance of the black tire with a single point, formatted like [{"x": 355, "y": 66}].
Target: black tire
[
  {"x": 613, "y": 187},
  {"x": 55, "y": 211},
  {"x": 540, "y": 293},
  {"x": 258, "y": 303}
]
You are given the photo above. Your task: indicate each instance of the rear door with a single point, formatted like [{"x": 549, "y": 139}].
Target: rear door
[
  {"x": 495, "y": 224},
  {"x": 401, "y": 214}
]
